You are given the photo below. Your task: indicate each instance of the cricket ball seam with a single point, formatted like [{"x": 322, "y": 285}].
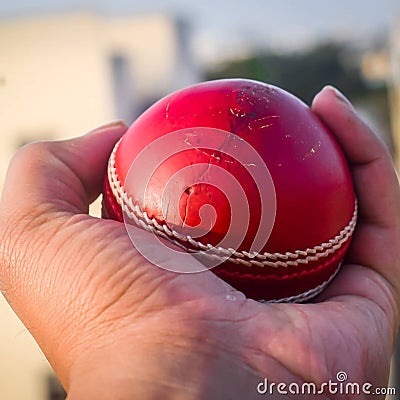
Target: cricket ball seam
[
  {"x": 266, "y": 259},
  {"x": 305, "y": 296}
]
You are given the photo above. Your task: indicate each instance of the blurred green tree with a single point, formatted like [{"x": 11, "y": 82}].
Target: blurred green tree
[{"x": 302, "y": 73}]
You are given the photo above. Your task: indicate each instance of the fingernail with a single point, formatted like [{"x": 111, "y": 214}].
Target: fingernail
[
  {"x": 339, "y": 95},
  {"x": 119, "y": 124}
]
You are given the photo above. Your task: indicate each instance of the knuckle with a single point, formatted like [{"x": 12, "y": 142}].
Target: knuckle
[
  {"x": 20, "y": 238},
  {"x": 31, "y": 154},
  {"x": 26, "y": 173},
  {"x": 8, "y": 236},
  {"x": 22, "y": 216}
]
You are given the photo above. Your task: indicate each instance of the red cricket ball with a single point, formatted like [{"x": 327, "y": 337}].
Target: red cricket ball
[{"x": 245, "y": 176}]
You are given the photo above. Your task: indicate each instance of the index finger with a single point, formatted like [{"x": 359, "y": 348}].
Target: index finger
[
  {"x": 376, "y": 240},
  {"x": 373, "y": 171}
]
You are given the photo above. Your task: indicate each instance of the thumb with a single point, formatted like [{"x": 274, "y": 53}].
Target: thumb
[{"x": 61, "y": 175}]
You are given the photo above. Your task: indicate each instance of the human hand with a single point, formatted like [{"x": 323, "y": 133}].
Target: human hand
[{"x": 114, "y": 326}]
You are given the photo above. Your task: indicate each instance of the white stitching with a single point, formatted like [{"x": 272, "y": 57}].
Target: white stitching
[
  {"x": 266, "y": 259},
  {"x": 309, "y": 294}
]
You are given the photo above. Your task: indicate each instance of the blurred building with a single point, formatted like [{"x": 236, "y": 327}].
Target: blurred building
[
  {"x": 395, "y": 86},
  {"x": 375, "y": 106},
  {"x": 375, "y": 66},
  {"x": 381, "y": 66},
  {"x": 63, "y": 75},
  {"x": 60, "y": 76}
]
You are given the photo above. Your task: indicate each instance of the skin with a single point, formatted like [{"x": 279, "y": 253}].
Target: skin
[{"x": 114, "y": 326}]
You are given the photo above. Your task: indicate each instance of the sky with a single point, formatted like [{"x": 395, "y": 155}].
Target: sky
[{"x": 220, "y": 26}]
